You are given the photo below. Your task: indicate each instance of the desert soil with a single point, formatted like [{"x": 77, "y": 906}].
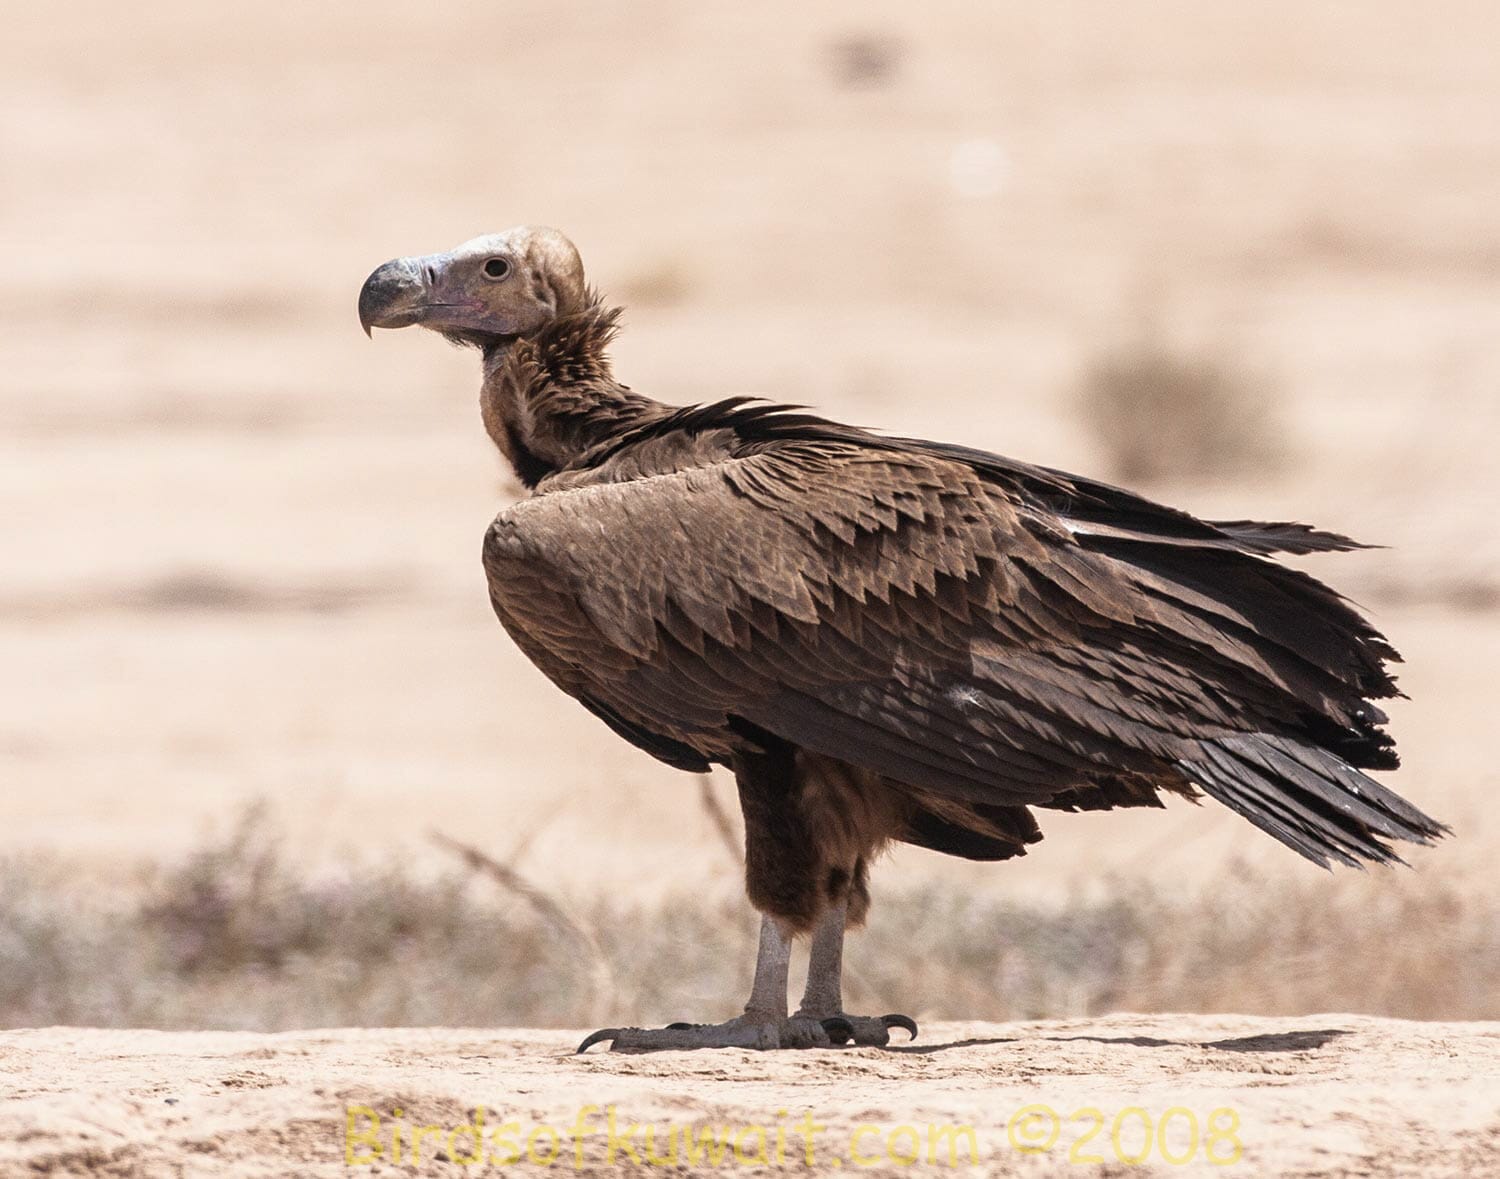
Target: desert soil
[{"x": 1325, "y": 1095}]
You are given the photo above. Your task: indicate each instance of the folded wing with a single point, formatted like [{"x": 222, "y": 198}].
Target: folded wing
[{"x": 996, "y": 634}]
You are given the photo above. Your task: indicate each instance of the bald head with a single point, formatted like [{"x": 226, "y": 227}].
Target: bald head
[{"x": 500, "y": 285}]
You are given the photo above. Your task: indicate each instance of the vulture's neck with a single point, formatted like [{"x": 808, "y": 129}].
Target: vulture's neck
[{"x": 548, "y": 399}]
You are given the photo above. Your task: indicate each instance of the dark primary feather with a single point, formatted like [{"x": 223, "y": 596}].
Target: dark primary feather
[
  {"x": 977, "y": 630},
  {"x": 1297, "y": 539}
]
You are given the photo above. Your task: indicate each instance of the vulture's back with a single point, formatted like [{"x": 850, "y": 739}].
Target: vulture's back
[{"x": 968, "y": 627}]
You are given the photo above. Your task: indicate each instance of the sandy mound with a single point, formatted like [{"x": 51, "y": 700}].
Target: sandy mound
[{"x": 1316, "y": 1095}]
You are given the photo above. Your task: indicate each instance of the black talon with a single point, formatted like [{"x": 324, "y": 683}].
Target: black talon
[
  {"x": 839, "y": 1030},
  {"x": 598, "y": 1038},
  {"x": 901, "y": 1021}
]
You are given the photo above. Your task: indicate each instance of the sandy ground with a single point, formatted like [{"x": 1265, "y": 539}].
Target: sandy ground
[{"x": 1324, "y": 1095}]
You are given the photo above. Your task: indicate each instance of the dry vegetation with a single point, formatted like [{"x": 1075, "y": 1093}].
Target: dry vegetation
[
  {"x": 238, "y": 936},
  {"x": 1159, "y": 414}
]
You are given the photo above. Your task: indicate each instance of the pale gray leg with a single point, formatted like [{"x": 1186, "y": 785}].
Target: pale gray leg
[
  {"x": 825, "y": 966},
  {"x": 772, "y": 960},
  {"x": 819, "y": 1023},
  {"x": 764, "y": 1024},
  {"x": 823, "y": 1000}
]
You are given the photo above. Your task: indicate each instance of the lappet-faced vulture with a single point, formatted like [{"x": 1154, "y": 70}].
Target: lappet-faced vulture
[{"x": 887, "y": 639}]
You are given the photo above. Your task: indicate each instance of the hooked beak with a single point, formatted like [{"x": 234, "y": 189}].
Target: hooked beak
[{"x": 401, "y": 293}]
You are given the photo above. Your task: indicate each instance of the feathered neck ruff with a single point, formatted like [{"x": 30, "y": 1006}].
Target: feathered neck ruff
[
  {"x": 571, "y": 347},
  {"x": 551, "y": 397}
]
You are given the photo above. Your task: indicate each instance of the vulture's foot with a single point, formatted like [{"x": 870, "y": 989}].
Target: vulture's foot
[
  {"x": 748, "y": 1031},
  {"x": 865, "y": 1030},
  {"x": 744, "y": 1031}
]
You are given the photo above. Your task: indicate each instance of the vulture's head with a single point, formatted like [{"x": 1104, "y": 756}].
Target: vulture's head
[{"x": 485, "y": 292}]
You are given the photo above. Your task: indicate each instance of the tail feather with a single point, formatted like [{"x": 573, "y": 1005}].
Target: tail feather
[
  {"x": 1308, "y": 799},
  {"x": 1253, "y": 802},
  {"x": 1256, "y": 536}
]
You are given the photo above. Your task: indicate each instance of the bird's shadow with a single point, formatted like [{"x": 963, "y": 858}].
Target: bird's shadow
[
  {"x": 928, "y": 1049},
  {"x": 1299, "y": 1041},
  {"x": 1278, "y": 1041}
]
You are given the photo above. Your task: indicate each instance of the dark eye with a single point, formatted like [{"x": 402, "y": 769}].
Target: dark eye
[{"x": 496, "y": 268}]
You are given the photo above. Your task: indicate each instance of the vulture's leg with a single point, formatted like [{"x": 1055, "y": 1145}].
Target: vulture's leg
[
  {"x": 768, "y": 990},
  {"x": 764, "y": 1024},
  {"x": 805, "y": 872},
  {"x": 824, "y": 995},
  {"x": 823, "y": 999}
]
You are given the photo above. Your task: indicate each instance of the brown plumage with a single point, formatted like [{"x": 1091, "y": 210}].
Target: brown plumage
[{"x": 886, "y": 638}]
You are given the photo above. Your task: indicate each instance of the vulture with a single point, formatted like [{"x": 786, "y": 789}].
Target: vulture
[{"x": 885, "y": 639}]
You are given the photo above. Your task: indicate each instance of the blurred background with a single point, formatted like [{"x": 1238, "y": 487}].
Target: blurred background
[{"x": 1244, "y": 258}]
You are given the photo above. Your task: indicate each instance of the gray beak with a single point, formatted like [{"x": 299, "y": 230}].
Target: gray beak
[{"x": 397, "y": 294}]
